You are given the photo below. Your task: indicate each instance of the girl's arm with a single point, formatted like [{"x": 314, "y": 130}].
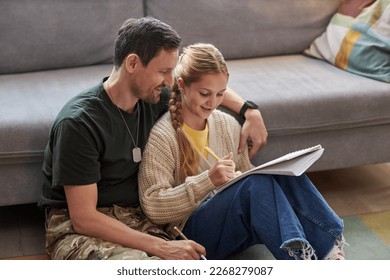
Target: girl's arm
[{"x": 164, "y": 199}]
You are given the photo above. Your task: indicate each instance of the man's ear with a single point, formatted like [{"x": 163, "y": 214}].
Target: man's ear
[{"x": 131, "y": 62}]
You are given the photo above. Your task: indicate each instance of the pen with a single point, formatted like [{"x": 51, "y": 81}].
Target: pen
[
  {"x": 212, "y": 153},
  {"x": 185, "y": 238}
]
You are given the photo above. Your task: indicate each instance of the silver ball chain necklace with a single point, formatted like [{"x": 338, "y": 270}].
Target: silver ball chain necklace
[{"x": 137, "y": 155}]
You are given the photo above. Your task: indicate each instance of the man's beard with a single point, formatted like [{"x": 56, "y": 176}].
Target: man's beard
[{"x": 149, "y": 97}]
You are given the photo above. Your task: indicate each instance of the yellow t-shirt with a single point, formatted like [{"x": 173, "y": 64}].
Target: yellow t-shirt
[{"x": 200, "y": 138}]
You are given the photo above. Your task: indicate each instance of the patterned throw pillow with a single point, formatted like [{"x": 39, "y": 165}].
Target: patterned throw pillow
[{"x": 360, "y": 44}]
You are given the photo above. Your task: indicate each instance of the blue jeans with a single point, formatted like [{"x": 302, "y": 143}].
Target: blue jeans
[{"x": 277, "y": 211}]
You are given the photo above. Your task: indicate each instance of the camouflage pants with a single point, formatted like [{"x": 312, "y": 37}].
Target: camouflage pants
[{"x": 62, "y": 242}]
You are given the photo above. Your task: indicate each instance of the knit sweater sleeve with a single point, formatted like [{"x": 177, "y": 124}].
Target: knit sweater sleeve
[{"x": 163, "y": 198}]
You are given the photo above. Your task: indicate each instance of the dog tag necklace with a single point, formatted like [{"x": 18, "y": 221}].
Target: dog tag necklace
[{"x": 137, "y": 155}]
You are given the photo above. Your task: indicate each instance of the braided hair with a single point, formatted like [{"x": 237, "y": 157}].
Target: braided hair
[{"x": 195, "y": 61}]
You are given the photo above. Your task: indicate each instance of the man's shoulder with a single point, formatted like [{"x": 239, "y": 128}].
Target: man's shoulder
[{"x": 80, "y": 104}]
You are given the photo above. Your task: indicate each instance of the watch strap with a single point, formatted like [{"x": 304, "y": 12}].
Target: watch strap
[{"x": 247, "y": 105}]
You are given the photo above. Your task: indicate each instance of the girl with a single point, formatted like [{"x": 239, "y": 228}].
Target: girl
[{"x": 178, "y": 179}]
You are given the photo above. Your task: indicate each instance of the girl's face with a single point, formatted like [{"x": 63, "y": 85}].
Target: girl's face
[{"x": 201, "y": 98}]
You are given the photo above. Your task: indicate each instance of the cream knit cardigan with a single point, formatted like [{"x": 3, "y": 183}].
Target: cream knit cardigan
[{"x": 164, "y": 199}]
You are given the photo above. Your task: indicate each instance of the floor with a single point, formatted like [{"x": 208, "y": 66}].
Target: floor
[{"x": 361, "y": 196}]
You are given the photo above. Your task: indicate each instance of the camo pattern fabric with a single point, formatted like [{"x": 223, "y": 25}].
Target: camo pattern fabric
[{"x": 63, "y": 243}]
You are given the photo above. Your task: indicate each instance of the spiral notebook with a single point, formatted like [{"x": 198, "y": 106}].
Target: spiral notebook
[{"x": 291, "y": 164}]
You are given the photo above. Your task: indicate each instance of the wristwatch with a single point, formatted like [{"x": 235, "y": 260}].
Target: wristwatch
[{"x": 247, "y": 105}]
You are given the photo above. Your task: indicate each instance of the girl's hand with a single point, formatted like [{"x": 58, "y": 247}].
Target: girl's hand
[{"x": 222, "y": 171}]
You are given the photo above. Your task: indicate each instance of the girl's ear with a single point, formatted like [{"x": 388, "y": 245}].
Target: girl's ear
[
  {"x": 131, "y": 61},
  {"x": 181, "y": 84}
]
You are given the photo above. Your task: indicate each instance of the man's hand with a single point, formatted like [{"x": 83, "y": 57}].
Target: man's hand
[
  {"x": 88, "y": 221},
  {"x": 253, "y": 130},
  {"x": 181, "y": 250}
]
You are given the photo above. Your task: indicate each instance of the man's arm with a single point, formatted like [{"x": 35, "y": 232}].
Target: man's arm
[
  {"x": 253, "y": 128},
  {"x": 88, "y": 221}
]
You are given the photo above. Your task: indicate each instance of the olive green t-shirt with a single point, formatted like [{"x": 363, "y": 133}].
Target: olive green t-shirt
[{"x": 89, "y": 143}]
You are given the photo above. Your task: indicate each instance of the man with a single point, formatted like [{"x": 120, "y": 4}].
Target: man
[{"x": 91, "y": 161}]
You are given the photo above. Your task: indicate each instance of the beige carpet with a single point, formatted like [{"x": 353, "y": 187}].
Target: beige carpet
[
  {"x": 354, "y": 191},
  {"x": 361, "y": 196}
]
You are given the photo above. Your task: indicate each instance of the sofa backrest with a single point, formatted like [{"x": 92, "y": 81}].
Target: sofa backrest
[
  {"x": 246, "y": 28},
  {"x": 40, "y": 34},
  {"x": 53, "y": 34}
]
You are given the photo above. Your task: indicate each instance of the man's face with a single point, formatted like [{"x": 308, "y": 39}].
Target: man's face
[{"x": 148, "y": 81}]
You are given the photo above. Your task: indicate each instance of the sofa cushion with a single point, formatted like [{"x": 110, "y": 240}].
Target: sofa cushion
[
  {"x": 260, "y": 27},
  {"x": 358, "y": 44},
  {"x": 57, "y": 34},
  {"x": 30, "y": 103},
  {"x": 353, "y": 8},
  {"x": 299, "y": 95}
]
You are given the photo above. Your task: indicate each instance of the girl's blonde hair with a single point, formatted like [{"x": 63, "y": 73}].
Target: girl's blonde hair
[{"x": 195, "y": 61}]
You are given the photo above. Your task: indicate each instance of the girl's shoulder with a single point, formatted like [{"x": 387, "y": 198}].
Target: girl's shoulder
[
  {"x": 226, "y": 118},
  {"x": 163, "y": 126},
  {"x": 164, "y": 121}
]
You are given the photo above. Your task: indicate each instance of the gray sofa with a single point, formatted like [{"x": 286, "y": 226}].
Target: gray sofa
[{"x": 51, "y": 50}]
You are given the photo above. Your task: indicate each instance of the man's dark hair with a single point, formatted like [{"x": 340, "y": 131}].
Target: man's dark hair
[{"x": 144, "y": 37}]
